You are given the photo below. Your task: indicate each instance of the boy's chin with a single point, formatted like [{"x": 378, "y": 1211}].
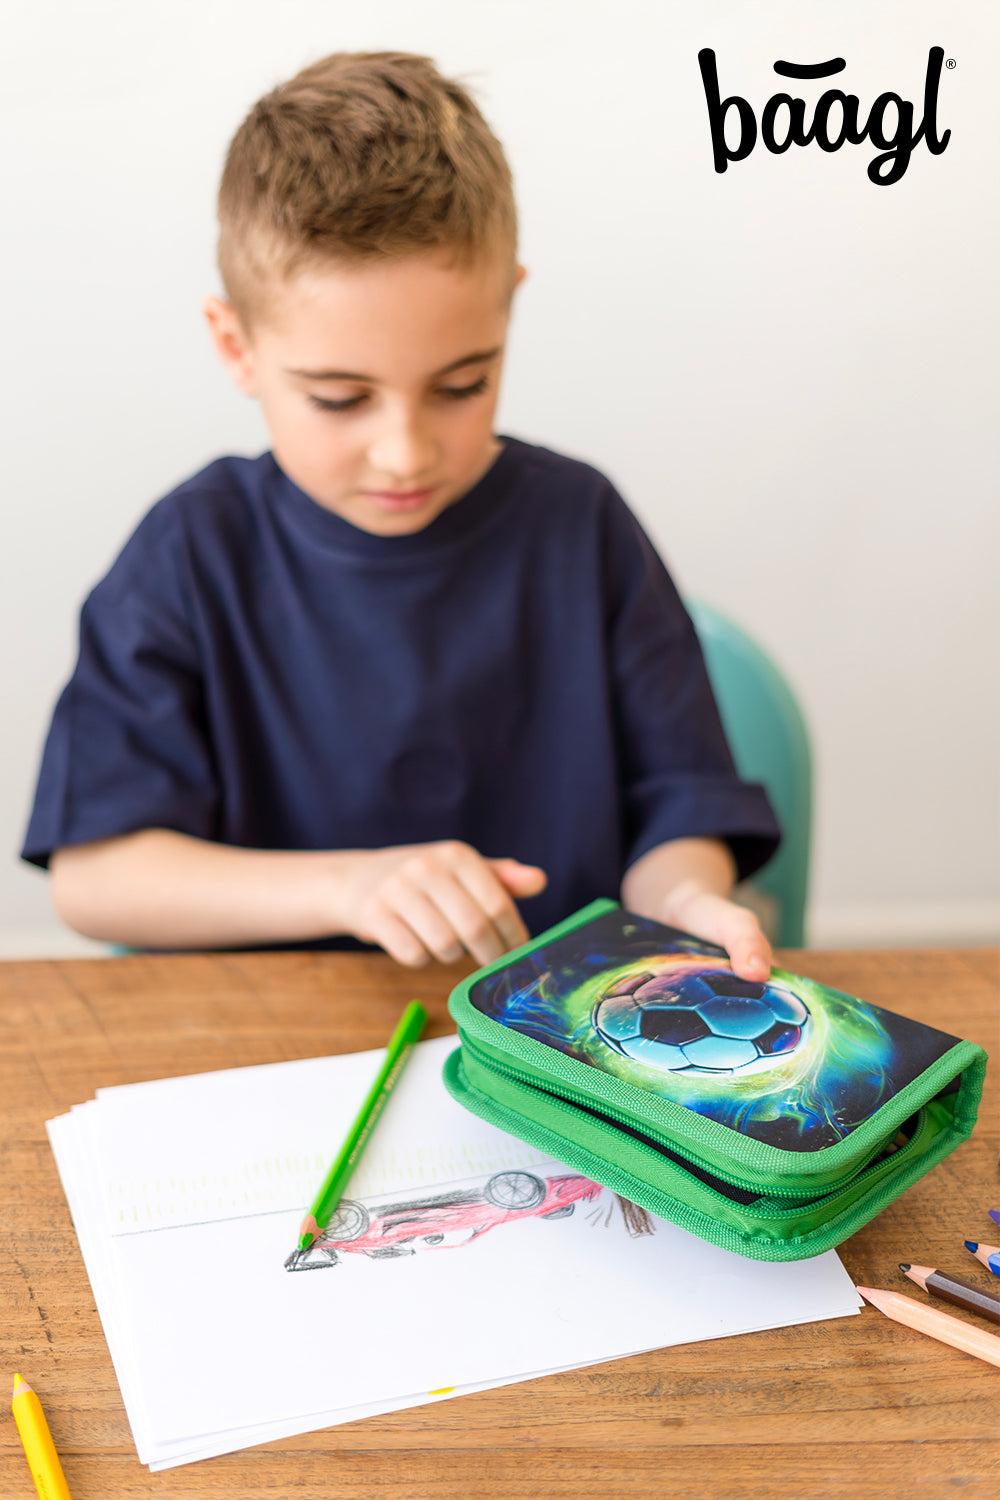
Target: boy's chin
[{"x": 390, "y": 517}]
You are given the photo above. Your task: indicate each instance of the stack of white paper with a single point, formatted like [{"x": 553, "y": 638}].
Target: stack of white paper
[{"x": 461, "y": 1259}]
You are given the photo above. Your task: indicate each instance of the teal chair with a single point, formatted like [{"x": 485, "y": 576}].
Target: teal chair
[{"x": 770, "y": 744}]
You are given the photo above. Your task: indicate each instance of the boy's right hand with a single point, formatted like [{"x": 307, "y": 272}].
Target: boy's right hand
[{"x": 438, "y": 901}]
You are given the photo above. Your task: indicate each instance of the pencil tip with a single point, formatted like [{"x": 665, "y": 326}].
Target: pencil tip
[
  {"x": 308, "y": 1231},
  {"x": 904, "y": 1267},
  {"x": 972, "y": 1245}
]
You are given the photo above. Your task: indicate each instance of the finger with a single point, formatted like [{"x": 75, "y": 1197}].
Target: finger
[
  {"x": 398, "y": 939},
  {"x": 475, "y": 914},
  {"x": 425, "y": 894},
  {"x": 520, "y": 880},
  {"x": 752, "y": 960},
  {"x": 483, "y": 883},
  {"x": 749, "y": 950},
  {"x": 427, "y": 904},
  {"x": 463, "y": 886},
  {"x": 734, "y": 928}
]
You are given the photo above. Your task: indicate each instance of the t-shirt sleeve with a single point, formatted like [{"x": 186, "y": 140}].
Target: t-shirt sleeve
[
  {"x": 127, "y": 747},
  {"x": 679, "y": 777}
]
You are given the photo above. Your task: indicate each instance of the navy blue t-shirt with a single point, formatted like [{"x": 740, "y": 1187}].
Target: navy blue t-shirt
[{"x": 520, "y": 675}]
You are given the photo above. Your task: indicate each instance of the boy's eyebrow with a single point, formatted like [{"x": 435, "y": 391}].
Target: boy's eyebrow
[{"x": 457, "y": 364}]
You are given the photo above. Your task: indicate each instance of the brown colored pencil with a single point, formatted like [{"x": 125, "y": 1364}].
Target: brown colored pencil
[
  {"x": 954, "y": 1289},
  {"x": 936, "y": 1324}
]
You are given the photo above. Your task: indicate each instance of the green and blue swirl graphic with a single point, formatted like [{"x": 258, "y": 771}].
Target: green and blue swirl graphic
[{"x": 848, "y": 1059}]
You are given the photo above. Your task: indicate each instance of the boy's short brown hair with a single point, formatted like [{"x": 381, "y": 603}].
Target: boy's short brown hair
[{"x": 361, "y": 155}]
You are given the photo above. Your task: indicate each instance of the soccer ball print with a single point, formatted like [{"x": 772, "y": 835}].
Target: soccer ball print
[{"x": 705, "y": 1021}]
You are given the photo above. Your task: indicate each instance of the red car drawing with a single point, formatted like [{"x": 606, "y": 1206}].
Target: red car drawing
[{"x": 441, "y": 1220}]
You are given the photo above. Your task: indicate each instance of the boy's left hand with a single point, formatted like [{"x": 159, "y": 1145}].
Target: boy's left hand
[
  {"x": 682, "y": 883},
  {"x": 718, "y": 920}
]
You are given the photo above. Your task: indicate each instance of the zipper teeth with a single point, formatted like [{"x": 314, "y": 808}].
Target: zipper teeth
[{"x": 568, "y": 1099}]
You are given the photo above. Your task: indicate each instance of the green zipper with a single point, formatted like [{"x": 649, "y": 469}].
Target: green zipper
[
  {"x": 698, "y": 1166},
  {"x": 573, "y": 1104},
  {"x": 758, "y": 1230}
]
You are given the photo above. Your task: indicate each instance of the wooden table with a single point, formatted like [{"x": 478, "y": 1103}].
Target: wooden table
[{"x": 855, "y": 1407}]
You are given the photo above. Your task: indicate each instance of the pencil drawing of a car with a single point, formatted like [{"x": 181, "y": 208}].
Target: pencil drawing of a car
[{"x": 441, "y": 1220}]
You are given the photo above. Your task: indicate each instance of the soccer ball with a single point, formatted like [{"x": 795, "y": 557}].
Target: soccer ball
[{"x": 704, "y": 1021}]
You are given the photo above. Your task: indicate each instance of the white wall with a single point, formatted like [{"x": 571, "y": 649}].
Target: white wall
[{"x": 790, "y": 372}]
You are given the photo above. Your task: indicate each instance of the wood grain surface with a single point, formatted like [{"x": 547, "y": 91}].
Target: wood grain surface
[{"x": 856, "y": 1407}]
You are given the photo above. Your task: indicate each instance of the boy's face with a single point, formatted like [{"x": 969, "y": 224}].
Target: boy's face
[{"x": 378, "y": 382}]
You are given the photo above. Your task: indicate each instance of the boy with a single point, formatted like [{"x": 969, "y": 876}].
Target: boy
[{"x": 400, "y": 680}]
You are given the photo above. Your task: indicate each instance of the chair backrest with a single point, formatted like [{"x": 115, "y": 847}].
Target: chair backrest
[{"x": 770, "y": 744}]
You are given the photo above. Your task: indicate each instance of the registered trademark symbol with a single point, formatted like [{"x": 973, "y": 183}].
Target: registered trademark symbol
[{"x": 951, "y": 63}]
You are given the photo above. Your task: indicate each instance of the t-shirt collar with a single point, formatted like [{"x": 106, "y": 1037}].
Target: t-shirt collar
[{"x": 454, "y": 525}]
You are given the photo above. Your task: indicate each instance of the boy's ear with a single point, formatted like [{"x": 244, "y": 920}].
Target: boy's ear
[{"x": 231, "y": 343}]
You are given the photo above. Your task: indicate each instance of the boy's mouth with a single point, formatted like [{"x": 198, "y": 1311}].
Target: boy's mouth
[{"x": 400, "y": 499}]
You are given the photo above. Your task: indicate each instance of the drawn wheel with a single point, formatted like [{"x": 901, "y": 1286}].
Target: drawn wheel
[
  {"x": 562, "y": 1212},
  {"x": 349, "y": 1222},
  {"x": 514, "y": 1190}
]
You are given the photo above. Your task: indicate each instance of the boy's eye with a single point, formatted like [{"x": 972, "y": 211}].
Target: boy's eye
[
  {"x": 463, "y": 392},
  {"x": 448, "y": 392},
  {"x": 323, "y": 404}
]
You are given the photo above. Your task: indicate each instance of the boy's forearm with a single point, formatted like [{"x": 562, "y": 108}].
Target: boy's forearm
[
  {"x": 160, "y": 889},
  {"x": 665, "y": 878}
]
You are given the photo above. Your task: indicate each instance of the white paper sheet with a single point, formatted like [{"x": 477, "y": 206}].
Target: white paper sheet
[{"x": 187, "y": 1195}]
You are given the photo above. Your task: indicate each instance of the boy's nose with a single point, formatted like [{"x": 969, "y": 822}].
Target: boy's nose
[{"x": 404, "y": 450}]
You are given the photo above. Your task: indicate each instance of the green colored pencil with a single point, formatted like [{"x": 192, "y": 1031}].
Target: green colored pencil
[{"x": 401, "y": 1043}]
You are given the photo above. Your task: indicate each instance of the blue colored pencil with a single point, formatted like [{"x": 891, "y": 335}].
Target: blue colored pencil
[{"x": 988, "y": 1254}]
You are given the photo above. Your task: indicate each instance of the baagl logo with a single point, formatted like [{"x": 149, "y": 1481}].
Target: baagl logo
[{"x": 836, "y": 118}]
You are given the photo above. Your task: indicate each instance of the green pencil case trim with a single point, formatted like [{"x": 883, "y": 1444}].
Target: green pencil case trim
[{"x": 735, "y": 1191}]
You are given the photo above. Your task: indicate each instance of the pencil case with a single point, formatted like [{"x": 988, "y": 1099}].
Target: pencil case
[{"x": 771, "y": 1119}]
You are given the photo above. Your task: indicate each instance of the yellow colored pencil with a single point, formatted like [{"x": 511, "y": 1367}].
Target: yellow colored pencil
[
  {"x": 936, "y": 1324},
  {"x": 39, "y": 1449}
]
